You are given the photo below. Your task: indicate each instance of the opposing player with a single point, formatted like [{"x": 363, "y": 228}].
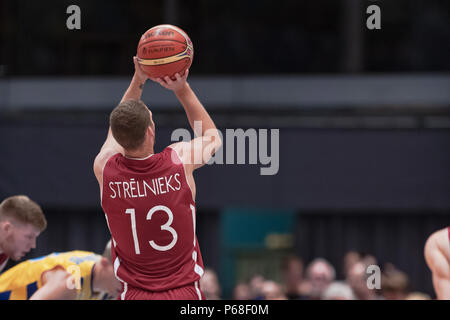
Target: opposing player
[
  {"x": 21, "y": 222},
  {"x": 437, "y": 256},
  {"x": 149, "y": 198},
  {"x": 79, "y": 275}
]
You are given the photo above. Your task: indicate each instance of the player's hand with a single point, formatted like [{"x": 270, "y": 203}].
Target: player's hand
[
  {"x": 174, "y": 85},
  {"x": 139, "y": 74}
]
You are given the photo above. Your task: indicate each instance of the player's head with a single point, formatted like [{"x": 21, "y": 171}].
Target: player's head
[
  {"x": 132, "y": 125},
  {"x": 21, "y": 222},
  {"x": 104, "y": 279}
]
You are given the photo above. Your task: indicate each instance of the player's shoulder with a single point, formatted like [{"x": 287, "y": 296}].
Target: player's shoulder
[
  {"x": 102, "y": 158},
  {"x": 179, "y": 151}
]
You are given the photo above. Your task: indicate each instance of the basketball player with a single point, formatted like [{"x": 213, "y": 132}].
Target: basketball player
[
  {"x": 74, "y": 275},
  {"x": 437, "y": 256},
  {"x": 149, "y": 198},
  {"x": 21, "y": 222}
]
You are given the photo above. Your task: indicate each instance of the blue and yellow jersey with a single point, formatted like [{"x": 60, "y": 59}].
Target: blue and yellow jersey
[{"x": 22, "y": 280}]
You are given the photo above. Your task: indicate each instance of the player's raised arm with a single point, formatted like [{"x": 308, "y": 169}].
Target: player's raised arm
[
  {"x": 198, "y": 152},
  {"x": 111, "y": 146}
]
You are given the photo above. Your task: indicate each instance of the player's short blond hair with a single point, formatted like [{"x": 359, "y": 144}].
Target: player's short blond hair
[
  {"x": 24, "y": 210},
  {"x": 129, "y": 122}
]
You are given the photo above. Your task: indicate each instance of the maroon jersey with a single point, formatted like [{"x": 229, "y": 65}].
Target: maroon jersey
[{"x": 150, "y": 212}]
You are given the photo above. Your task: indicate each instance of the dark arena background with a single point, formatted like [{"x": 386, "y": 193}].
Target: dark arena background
[{"x": 363, "y": 117}]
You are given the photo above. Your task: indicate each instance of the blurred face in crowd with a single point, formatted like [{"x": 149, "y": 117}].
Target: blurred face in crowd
[
  {"x": 17, "y": 238},
  {"x": 394, "y": 285},
  {"x": 356, "y": 278},
  {"x": 256, "y": 285},
  {"x": 320, "y": 276},
  {"x": 294, "y": 272},
  {"x": 242, "y": 292},
  {"x": 272, "y": 291},
  {"x": 351, "y": 258}
]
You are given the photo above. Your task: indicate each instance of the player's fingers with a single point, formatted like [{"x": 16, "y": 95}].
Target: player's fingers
[
  {"x": 186, "y": 73},
  {"x": 160, "y": 81},
  {"x": 177, "y": 75},
  {"x": 168, "y": 80},
  {"x": 137, "y": 65}
]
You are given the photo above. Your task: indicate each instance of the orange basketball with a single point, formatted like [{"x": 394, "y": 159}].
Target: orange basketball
[{"x": 165, "y": 50}]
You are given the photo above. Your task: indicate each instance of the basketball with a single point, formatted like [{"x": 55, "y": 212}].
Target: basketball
[{"x": 165, "y": 50}]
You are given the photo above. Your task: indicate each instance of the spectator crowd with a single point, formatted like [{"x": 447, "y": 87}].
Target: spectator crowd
[{"x": 319, "y": 281}]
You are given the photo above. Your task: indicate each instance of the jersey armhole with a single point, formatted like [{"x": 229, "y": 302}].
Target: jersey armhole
[
  {"x": 184, "y": 168},
  {"x": 103, "y": 170}
]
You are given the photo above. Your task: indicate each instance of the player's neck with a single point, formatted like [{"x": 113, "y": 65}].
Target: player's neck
[{"x": 140, "y": 153}]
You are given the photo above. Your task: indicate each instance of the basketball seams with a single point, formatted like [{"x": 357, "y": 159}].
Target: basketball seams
[
  {"x": 165, "y": 64},
  {"x": 184, "y": 43},
  {"x": 169, "y": 26}
]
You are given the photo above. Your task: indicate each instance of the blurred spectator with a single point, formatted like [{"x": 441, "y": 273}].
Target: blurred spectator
[
  {"x": 210, "y": 286},
  {"x": 319, "y": 282},
  {"x": 349, "y": 260},
  {"x": 320, "y": 273},
  {"x": 242, "y": 292},
  {"x": 394, "y": 284},
  {"x": 418, "y": 296},
  {"x": 256, "y": 286},
  {"x": 357, "y": 280},
  {"x": 368, "y": 260},
  {"x": 292, "y": 272},
  {"x": 338, "y": 290},
  {"x": 272, "y": 291}
]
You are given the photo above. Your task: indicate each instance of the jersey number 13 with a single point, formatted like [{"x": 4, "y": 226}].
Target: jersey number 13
[{"x": 166, "y": 227}]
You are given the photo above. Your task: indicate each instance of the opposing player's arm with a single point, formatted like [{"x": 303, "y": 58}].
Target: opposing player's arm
[
  {"x": 58, "y": 284},
  {"x": 198, "y": 151},
  {"x": 111, "y": 146}
]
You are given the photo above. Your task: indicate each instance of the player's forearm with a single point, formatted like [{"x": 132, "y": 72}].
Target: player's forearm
[
  {"x": 134, "y": 91},
  {"x": 195, "y": 111}
]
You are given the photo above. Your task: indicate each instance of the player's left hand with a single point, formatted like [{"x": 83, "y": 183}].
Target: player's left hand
[{"x": 138, "y": 72}]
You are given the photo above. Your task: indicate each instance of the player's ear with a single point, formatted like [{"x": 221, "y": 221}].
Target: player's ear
[
  {"x": 5, "y": 226},
  {"x": 150, "y": 131}
]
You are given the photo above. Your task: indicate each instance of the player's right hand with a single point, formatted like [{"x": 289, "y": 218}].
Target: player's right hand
[{"x": 174, "y": 85}]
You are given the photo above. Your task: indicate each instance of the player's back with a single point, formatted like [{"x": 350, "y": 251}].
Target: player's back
[{"x": 150, "y": 212}]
